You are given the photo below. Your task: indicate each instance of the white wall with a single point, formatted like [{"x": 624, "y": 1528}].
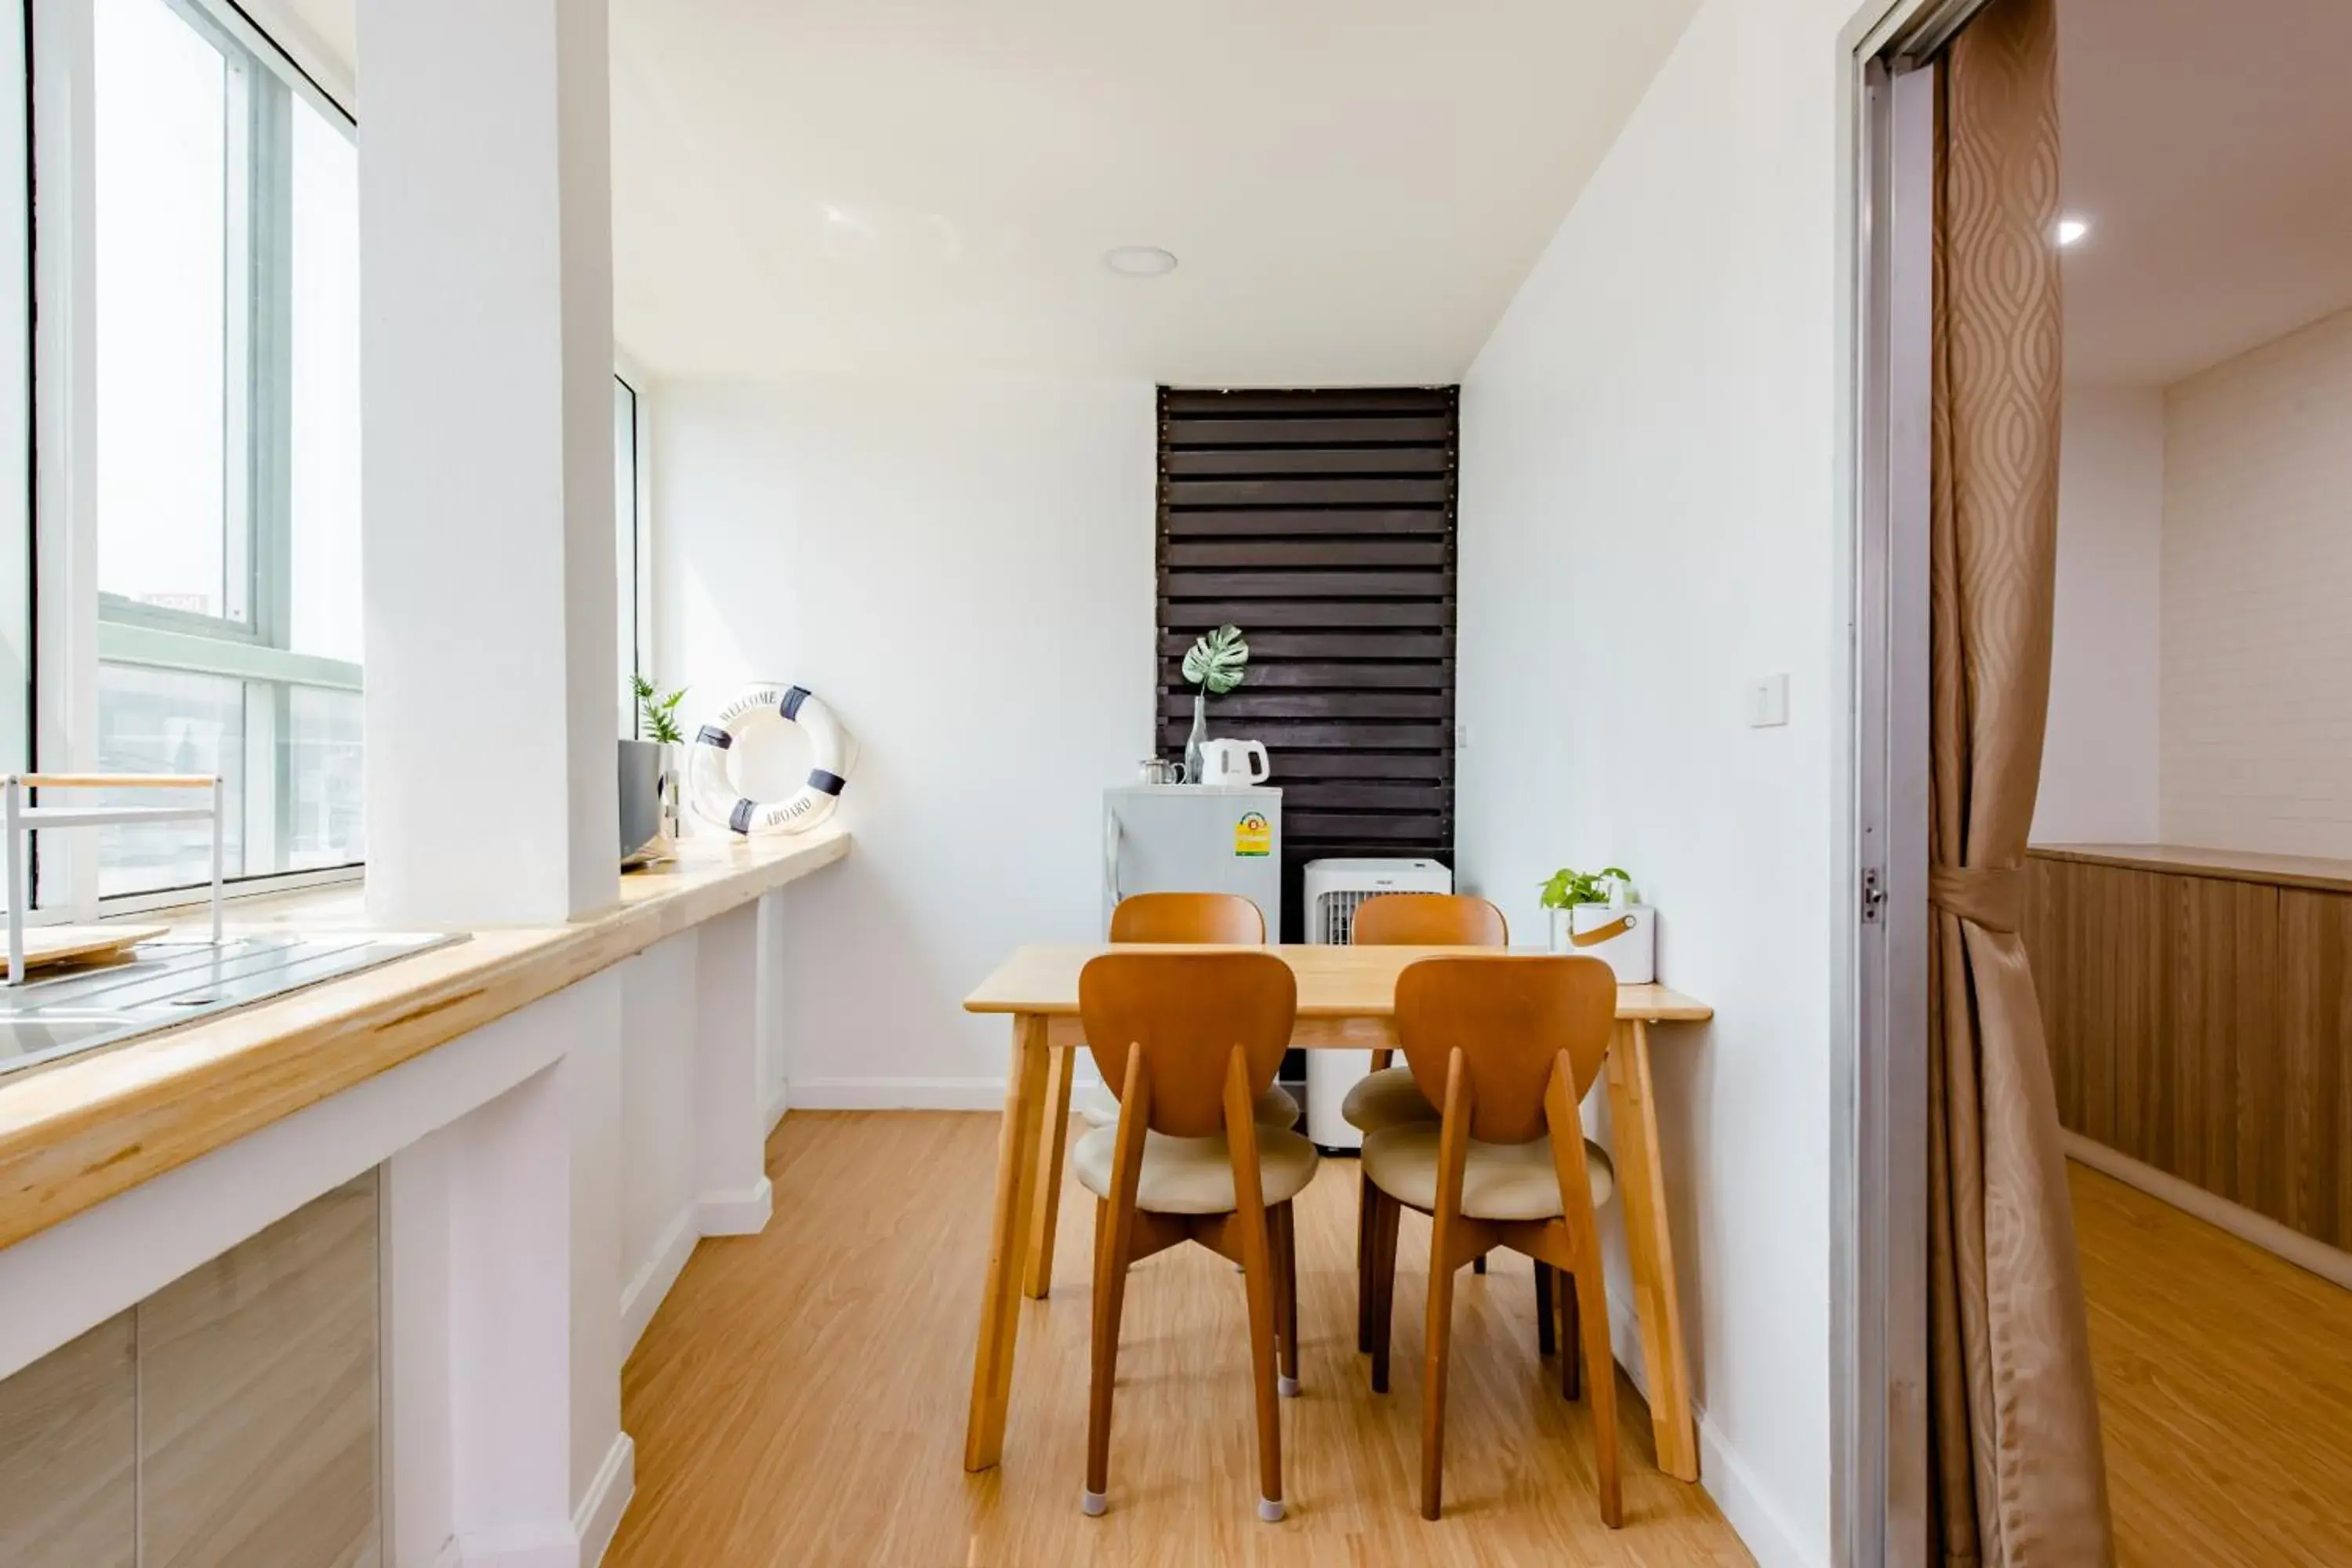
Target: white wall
[
  {"x": 2257, "y": 728},
  {"x": 1649, "y": 508},
  {"x": 2099, "y": 753},
  {"x": 964, "y": 572}
]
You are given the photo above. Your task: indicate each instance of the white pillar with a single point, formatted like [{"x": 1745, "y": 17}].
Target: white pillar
[
  {"x": 730, "y": 1123},
  {"x": 486, "y": 279}
]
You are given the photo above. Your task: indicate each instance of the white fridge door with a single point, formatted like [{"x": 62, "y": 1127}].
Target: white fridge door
[{"x": 1179, "y": 838}]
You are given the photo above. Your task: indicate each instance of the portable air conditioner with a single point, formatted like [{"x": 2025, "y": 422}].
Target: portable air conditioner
[{"x": 1333, "y": 890}]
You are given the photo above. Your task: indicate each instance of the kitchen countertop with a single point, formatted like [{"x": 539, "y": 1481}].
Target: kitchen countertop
[
  {"x": 2231, "y": 865},
  {"x": 81, "y": 1131}
]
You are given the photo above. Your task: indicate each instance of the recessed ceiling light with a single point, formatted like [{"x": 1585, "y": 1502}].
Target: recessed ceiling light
[
  {"x": 1141, "y": 261},
  {"x": 2071, "y": 229}
]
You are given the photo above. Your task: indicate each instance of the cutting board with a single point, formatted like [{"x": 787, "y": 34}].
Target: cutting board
[{"x": 46, "y": 945}]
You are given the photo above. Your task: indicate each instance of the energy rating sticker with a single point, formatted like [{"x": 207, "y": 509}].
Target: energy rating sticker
[{"x": 1254, "y": 836}]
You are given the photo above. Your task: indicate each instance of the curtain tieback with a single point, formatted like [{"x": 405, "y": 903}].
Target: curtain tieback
[{"x": 1991, "y": 897}]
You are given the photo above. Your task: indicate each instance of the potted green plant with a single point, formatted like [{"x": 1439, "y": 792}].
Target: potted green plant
[
  {"x": 1214, "y": 665},
  {"x": 651, "y": 767},
  {"x": 1594, "y": 913}
]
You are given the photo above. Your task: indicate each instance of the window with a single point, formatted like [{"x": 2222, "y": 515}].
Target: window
[
  {"x": 226, "y": 229},
  {"x": 625, "y": 542}
]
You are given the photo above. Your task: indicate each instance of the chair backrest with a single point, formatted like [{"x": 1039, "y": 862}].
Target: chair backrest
[
  {"x": 1184, "y": 1013},
  {"x": 1429, "y": 919},
  {"x": 1226, "y": 917},
  {"x": 1511, "y": 1018}
]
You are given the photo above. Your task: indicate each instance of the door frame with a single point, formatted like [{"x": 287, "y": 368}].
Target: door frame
[{"x": 1879, "y": 1229}]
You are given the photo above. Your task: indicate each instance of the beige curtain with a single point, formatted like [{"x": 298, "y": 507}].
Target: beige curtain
[{"x": 2020, "y": 1481}]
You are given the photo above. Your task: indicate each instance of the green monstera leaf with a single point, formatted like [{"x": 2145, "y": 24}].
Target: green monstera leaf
[{"x": 1217, "y": 660}]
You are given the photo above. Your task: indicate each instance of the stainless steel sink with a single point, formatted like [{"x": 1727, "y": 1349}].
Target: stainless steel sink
[{"x": 163, "y": 985}]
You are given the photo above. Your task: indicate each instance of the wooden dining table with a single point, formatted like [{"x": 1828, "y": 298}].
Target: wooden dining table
[{"x": 1347, "y": 1001}]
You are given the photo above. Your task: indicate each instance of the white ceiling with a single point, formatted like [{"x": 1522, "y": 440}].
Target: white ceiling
[
  {"x": 2209, "y": 143},
  {"x": 1355, "y": 188}
]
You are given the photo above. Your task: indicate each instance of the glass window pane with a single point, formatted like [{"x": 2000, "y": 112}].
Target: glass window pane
[
  {"x": 167, "y": 722},
  {"x": 323, "y": 758},
  {"x": 326, "y": 388},
  {"x": 162, "y": 111},
  {"x": 625, "y": 539}
]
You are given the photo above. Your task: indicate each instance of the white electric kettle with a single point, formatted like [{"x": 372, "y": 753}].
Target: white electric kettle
[{"x": 1233, "y": 762}]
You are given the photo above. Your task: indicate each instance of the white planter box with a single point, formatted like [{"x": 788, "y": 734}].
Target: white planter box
[{"x": 1632, "y": 953}]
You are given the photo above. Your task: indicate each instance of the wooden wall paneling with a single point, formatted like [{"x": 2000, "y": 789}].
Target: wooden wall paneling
[
  {"x": 69, "y": 1456},
  {"x": 2045, "y": 930},
  {"x": 2224, "y": 1000},
  {"x": 2315, "y": 1033},
  {"x": 1321, "y": 523},
  {"x": 258, "y": 1387}
]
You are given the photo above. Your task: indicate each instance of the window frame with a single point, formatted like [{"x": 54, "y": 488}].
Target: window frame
[{"x": 72, "y": 627}]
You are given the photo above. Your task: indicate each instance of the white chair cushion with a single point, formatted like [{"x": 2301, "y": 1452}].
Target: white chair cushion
[
  {"x": 1274, "y": 1109},
  {"x": 1499, "y": 1181},
  {"x": 1388, "y": 1098},
  {"x": 1195, "y": 1175}
]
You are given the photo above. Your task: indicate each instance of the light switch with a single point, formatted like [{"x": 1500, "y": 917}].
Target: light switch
[{"x": 1768, "y": 703}]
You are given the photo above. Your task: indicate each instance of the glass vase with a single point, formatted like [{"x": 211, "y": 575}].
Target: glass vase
[{"x": 1192, "y": 743}]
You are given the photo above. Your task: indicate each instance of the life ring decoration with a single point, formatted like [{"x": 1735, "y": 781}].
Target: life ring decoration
[{"x": 713, "y": 792}]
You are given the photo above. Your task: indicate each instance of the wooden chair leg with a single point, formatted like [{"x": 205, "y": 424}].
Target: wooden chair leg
[
  {"x": 1593, "y": 1309},
  {"x": 1432, "y": 1382},
  {"x": 1571, "y": 1346},
  {"x": 1283, "y": 1226},
  {"x": 1386, "y": 1212},
  {"x": 1257, "y": 1270},
  {"x": 1364, "y": 1201},
  {"x": 1543, "y": 1307},
  {"x": 1113, "y": 1235}
]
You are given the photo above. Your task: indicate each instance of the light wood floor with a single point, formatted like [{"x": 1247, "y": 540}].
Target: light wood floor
[
  {"x": 800, "y": 1398},
  {"x": 2225, "y": 1389}
]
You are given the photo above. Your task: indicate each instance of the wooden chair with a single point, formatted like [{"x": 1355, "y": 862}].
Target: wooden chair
[
  {"x": 1192, "y": 1039},
  {"x": 1387, "y": 1096},
  {"x": 1184, "y": 918},
  {"x": 1507, "y": 1047}
]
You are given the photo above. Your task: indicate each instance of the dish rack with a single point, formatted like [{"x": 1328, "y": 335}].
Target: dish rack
[{"x": 21, "y": 820}]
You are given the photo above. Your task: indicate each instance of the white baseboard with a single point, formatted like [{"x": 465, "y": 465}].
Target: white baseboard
[
  {"x": 1761, "y": 1527},
  {"x": 643, "y": 1296},
  {"x": 2258, "y": 1229},
  {"x": 898, "y": 1093},
  {"x": 599, "y": 1513},
  {"x": 740, "y": 1212}
]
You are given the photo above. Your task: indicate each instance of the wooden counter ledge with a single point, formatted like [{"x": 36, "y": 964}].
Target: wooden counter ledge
[{"x": 78, "y": 1133}]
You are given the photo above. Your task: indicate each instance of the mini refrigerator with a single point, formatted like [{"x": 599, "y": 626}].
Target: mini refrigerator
[{"x": 1194, "y": 838}]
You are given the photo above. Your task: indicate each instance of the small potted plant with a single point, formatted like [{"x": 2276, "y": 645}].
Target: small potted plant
[
  {"x": 1214, "y": 665},
  {"x": 1594, "y": 913},
  {"x": 657, "y": 762}
]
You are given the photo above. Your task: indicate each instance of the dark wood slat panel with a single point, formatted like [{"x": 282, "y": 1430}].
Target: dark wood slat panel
[
  {"x": 1209, "y": 461},
  {"x": 1364, "y": 647},
  {"x": 1245, "y": 705},
  {"x": 1290, "y": 431},
  {"x": 1196, "y": 615},
  {"x": 1366, "y": 826},
  {"x": 1318, "y": 736},
  {"x": 1428, "y": 800},
  {"x": 1292, "y": 766},
  {"x": 1306, "y": 584},
  {"x": 1274, "y": 522},
  {"x": 1264, "y": 674},
  {"x": 1307, "y": 492},
  {"x": 1324, "y": 552},
  {"x": 1322, "y": 524},
  {"x": 1306, "y": 402}
]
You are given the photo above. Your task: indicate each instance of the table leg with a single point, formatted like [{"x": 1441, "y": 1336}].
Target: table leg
[
  {"x": 999, "y": 1305},
  {"x": 1633, "y": 1117},
  {"x": 1054, "y": 1145}
]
